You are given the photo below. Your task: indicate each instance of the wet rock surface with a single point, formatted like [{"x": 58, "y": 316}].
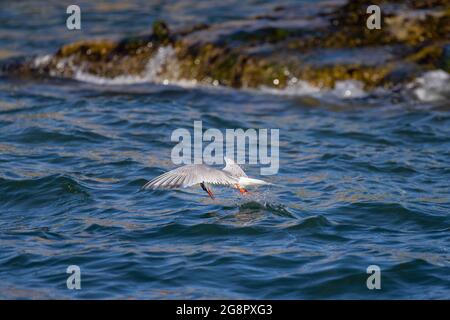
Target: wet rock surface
[{"x": 320, "y": 43}]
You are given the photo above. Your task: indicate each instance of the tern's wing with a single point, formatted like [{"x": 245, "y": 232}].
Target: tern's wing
[
  {"x": 190, "y": 175},
  {"x": 233, "y": 168}
]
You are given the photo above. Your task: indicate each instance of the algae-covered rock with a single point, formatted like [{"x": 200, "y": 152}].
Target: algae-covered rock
[
  {"x": 161, "y": 32},
  {"x": 320, "y": 43}
]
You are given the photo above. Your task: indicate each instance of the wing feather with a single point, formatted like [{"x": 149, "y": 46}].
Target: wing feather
[
  {"x": 233, "y": 168},
  {"x": 190, "y": 175}
]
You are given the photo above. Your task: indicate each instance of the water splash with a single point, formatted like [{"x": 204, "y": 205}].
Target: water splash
[
  {"x": 347, "y": 89},
  {"x": 432, "y": 86},
  {"x": 152, "y": 73},
  {"x": 294, "y": 87}
]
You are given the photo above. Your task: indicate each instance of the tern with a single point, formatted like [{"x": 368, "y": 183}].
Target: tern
[{"x": 190, "y": 175}]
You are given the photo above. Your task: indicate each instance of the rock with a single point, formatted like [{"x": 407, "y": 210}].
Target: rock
[
  {"x": 161, "y": 31},
  {"x": 321, "y": 43}
]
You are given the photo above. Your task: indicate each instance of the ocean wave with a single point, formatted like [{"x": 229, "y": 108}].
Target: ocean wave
[
  {"x": 152, "y": 71},
  {"x": 43, "y": 191},
  {"x": 205, "y": 229},
  {"x": 262, "y": 206},
  {"x": 40, "y": 135},
  {"x": 401, "y": 217},
  {"x": 346, "y": 89}
]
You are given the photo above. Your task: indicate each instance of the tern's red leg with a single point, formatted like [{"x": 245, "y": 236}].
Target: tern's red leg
[
  {"x": 241, "y": 190},
  {"x": 210, "y": 193},
  {"x": 207, "y": 190}
]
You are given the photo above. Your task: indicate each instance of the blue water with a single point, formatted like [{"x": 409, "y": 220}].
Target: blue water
[{"x": 361, "y": 182}]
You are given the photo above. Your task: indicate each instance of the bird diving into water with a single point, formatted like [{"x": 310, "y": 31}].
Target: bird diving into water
[{"x": 190, "y": 175}]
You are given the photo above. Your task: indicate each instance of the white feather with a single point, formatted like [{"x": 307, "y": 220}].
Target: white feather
[{"x": 247, "y": 182}]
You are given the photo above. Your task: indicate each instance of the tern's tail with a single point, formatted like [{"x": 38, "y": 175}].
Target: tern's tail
[{"x": 245, "y": 182}]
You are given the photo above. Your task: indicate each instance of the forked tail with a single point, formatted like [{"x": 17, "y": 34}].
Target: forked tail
[{"x": 245, "y": 181}]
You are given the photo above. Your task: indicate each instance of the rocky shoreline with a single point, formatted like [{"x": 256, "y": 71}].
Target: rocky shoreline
[{"x": 320, "y": 43}]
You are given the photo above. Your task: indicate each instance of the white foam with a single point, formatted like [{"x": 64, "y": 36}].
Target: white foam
[
  {"x": 349, "y": 89},
  {"x": 294, "y": 87},
  {"x": 342, "y": 89},
  {"x": 431, "y": 86},
  {"x": 42, "y": 60},
  {"x": 152, "y": 71}
]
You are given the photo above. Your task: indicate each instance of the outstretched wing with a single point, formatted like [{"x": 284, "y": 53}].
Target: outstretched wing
[
  {"x": 233, "y": 168},
  {"x": 190, "y": 175}
]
